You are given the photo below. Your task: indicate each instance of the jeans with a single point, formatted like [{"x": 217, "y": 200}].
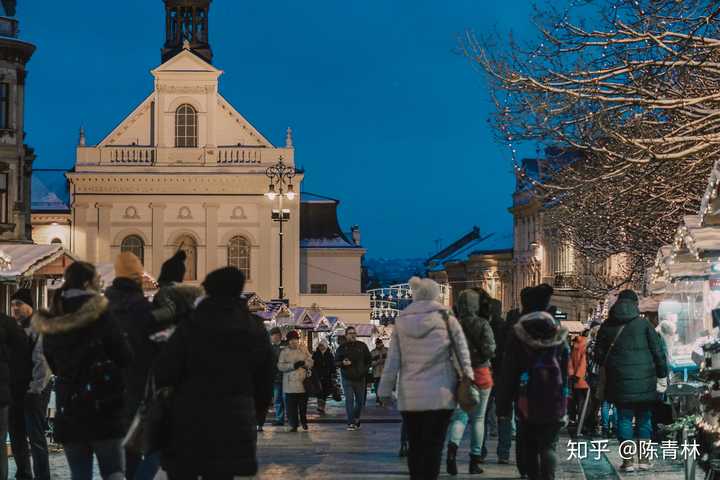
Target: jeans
[
  {"x": 476, "y": 418},
  {"x": 643, "y": 422},
  {"x": 296, "y": 404},
  {"x": 539, "y": 442},
  {"x": 138, "y": 467},
  {"x": 279, "y": 403},
  {"x": 505, "y": 434},
  {"x": 109, "y": 453},
  {"x": 426, "y": 436},
  {"x": 4, "y": 421},
  {"x": 355, "y": 393},
  {"x": 28, "y": 421}
]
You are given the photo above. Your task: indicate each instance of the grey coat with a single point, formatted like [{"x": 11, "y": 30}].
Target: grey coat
[{"x": 293, "y": 377}]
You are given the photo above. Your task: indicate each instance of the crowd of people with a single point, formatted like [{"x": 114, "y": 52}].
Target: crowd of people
[{"x": 108, "y": 353}]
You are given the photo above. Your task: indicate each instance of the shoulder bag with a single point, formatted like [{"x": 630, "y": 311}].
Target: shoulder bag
[
  {"x": 602, "y": 377},
  {"x": 466, "y": 394}
]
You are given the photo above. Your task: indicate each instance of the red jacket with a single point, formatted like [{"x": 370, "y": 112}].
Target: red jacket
[{"x": 577, "y": 366}]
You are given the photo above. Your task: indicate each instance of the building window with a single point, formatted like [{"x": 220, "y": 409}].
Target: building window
[
  {"x": 186, "y": 135},
  {"x": 4, "y": 106},
  {"x": 318, "y": 288},
  {"x": 134, "y": 244},
  {"x": 3, "y": 198},
  {"x": 189, "y": 246},
  {"x": 239, "y": 254},
  {"x": 56, "y": 241}
]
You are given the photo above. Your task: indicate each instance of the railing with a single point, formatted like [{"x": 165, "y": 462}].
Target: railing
[
  {"x": 566, "y": 280},
  {"x": 130, "y": 155},
  {"x": 239, "y": 155}
]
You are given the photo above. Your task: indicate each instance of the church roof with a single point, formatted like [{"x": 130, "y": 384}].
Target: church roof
[
  {"x": 49, "y": 191},
  {"x": 319, "y": 227}
]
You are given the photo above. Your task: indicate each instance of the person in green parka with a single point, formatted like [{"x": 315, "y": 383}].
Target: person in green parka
[{"x": 633, "y": 366}]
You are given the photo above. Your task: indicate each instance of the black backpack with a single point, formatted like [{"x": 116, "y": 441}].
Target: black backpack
[{"x": 99, "y": 385}]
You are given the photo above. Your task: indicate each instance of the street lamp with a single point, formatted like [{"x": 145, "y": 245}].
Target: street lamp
[{"x": 281, "y": 187}]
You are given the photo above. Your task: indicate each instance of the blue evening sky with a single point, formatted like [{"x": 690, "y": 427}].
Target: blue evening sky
[{"x": 387, "y": 117}]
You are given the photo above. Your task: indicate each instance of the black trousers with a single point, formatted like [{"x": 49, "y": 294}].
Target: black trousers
[
  {"x": 296, "y": 405},
  {"x": 539, "y": 445},
  {"x": 27, "y": 420},
  {"x": 426, "y": 437}
]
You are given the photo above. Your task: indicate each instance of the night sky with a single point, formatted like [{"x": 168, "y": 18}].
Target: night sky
[{"x": 387, "y": 117}]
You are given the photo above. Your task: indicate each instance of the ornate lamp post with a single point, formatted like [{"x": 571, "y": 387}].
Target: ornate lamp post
[{"x": 281, "y": 188}]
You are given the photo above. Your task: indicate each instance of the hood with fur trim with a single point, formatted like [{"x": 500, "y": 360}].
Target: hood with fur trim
[
  {"x": 89, "y": 312},
  {"x": 538, "y": 330}
]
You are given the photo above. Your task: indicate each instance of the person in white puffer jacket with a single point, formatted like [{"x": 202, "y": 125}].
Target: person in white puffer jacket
[{"x": 419, "y": 364}]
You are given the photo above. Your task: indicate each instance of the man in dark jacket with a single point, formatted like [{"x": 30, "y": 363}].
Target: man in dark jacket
[
  {"x": 632, "y": 354},
  {"x": 14, "y": 351},
  {"x": 355, "y": 359},
  {"x": 278, "y": 344},
  {"x": 219, "y": 362},
  {"x": 535, "y": 336},
  {"x": 28, "y": 416}
]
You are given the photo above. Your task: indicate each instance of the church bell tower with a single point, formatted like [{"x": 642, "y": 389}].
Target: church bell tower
[{"x": 187, "y": 21}]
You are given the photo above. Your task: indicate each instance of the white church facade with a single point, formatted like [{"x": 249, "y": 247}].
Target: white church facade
[{"x": 185, "y": 170}]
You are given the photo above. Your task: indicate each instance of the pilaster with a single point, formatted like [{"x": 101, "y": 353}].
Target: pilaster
[
  {"x": 104, "y": 231},
  {"x": 211, "y": 236},
  {"x": 158, "y": 237}
]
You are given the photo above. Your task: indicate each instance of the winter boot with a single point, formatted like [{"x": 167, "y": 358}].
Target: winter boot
[
  {"x": 452, "y": 459},
  {"x": 403, "y": 450},
  {"x": 475, "y": 462}
]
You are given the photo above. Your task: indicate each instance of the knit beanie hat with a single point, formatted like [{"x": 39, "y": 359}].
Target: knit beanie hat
[
  {"x": 538, "y": 299},
  {"x": 23, "y": 295},
  {"x": 128, "y": 265},
  {"x": 292, "y": 334},
  {"x": 224, "y": 282},
  {"x": 628, "y": 295},
  {"x": 173, "y": 270}
]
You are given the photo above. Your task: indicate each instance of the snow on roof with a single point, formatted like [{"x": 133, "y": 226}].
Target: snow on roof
[
  {"x": 491, "y": 243},
  {"x": 25, "y": 259},
  {"x": 364, "y": 329},
  {"x": 49, "y": 191},
  {"x": 334, "y": 242},
  {"x": 306, "y": 197}
]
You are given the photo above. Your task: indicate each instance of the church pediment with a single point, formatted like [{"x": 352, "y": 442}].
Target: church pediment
[{"x": 186, "y": 61}]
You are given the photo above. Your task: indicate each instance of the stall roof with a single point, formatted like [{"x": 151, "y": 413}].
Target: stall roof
[
  {"x": 22, "y": 260},
  {"x": 364, "y": 329}
]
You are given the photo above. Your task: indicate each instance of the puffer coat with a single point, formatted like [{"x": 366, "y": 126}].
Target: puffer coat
[
  {"x": 293, "y": 377},
  {"x": 419, "y": 362}
]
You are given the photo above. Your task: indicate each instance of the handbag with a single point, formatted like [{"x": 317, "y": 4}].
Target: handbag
[
  {"x": 466, "y": 393},
  {"x": 149, "y": 431},
  {"x": 312, "y": 384},
  {"x": 602, "y": 375}
]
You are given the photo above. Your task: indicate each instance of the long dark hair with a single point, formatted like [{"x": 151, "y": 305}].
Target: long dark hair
[{"x": 76, "y": 277}]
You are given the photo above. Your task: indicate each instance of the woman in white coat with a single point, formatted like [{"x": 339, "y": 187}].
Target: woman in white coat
[
  {"x": 419, "y": 364},
  {"x": 295, "y": 362}
]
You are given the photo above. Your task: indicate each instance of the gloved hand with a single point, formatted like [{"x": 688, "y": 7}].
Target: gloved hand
[{"x": 299, "y": 364}]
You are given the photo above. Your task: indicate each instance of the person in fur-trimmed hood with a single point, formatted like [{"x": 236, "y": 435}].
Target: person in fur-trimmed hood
[
  {"x": 82, "y": 343},
  {"x": 534, "y": 376},
  {"x": 419, "y": 364}
]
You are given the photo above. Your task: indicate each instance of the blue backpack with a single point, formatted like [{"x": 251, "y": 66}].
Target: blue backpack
[{"x": 541, "y": 397}]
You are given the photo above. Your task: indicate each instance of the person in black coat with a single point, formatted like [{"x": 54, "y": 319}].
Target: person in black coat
[
  {"x": 87, "y": 352},
  {"x": 219, "y": 364},
  {"x": 139, "y": 321},
  {"x": 326, "y": 371},
  {"x": 14, "y": 351}
]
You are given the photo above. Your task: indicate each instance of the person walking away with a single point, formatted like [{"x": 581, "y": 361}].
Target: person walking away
[
  {"x": 577, "y": 370},
  {"x": 634, "y": 360},
  {"x": 475, "y": 324},
  {"x": 219, "y": 366},
  {"x": 177, "y": 298},
  {"x": 355, "y": 359},
  {"x": 28, "y": 415},
  {"x": 14, "y": 352},
  {"x": 278, "y": 344},
  {"x": 295, "y": 362},
  {"x": 535, "y": 378},
  {"x": 88, "y": 353},
  {"x": 137, "y": 318},
  {"x": 424, "y": 341},
  {"x": 325, "y": 369},
  {"x": 379, "y": 356}
]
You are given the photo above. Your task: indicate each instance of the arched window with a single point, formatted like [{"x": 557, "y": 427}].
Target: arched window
[
  {"x": 55, "y": 241},
  {"x": 186, "y": 131},
  {"x": 134, "y": 244},
  {"x": 189, "y": 246},
  {"x": 238, "y": 254}
]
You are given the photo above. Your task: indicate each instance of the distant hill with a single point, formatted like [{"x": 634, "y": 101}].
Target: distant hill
[{"x": 383, "y": 272}]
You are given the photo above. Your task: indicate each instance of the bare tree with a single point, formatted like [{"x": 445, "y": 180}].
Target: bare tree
[{"x": 634, "y": 93}]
